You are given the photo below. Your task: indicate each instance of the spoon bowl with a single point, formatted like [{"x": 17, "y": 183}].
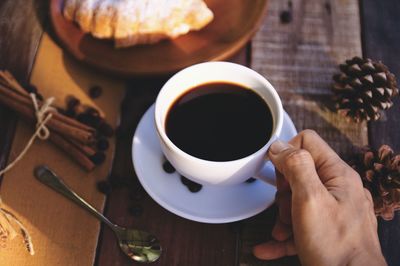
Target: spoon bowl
[{"x": 138, "y": 245}]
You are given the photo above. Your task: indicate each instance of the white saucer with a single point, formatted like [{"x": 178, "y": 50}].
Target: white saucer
[{"x": 209, "y": 205}]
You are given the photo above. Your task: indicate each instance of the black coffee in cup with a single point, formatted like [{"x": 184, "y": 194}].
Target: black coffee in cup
[{"x": 219, "y": 121}]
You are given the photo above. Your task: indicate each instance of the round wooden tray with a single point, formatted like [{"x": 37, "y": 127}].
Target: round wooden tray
[{"x": 235, "y": 21}]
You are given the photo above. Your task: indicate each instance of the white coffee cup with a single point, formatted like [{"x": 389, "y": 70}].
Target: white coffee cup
[{"x": 210, "y": 172}]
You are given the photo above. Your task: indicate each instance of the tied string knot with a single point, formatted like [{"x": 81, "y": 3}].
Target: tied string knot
[{"x": 43, "y": 114}]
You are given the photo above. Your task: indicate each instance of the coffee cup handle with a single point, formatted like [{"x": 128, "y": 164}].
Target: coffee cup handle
[{"x": 267, "y": 172}]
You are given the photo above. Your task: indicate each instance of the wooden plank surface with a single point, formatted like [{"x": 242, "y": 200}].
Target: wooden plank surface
[
  {"x": 301, "y": 97},
  {"x": 61, "y": 231},
  {"x": 381, "y": 37},
  {"x": 299, "y": 55},
  {"x": 17, "y": 53}
]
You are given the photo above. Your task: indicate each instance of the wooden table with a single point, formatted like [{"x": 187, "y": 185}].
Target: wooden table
[{"x": 187, "y": 242}]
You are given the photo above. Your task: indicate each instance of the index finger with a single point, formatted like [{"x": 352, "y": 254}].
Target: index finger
[{"x": 328, "y": 164}]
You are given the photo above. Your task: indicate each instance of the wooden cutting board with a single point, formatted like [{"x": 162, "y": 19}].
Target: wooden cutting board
[{"x": 62, "y": 233}]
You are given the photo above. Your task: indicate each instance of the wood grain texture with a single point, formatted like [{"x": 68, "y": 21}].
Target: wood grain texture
[
  {"x": 17, "y": 53},
  {"x": 381, "y": 36},
  {"x": 62, "y": 233},
  {"x": 299, "y": 58},
  {"x": 184, "y": 242}
]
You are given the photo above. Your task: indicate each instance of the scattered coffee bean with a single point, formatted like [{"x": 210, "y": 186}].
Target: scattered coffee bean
[
  {"x": 102, "y": 144},
  {"x": 95, "y": 92},
  {"x": 135, "y": 210},
  {"x": 192, "y": 186},
  {"x": 90, "y": 120},
  {"x": 104, "y": 187},
  {"x": 98, "y": 158},
  {"x": 72, "y": 102},
  {"x": 184, "y": 180},
  {"x": 105, "y": 129},
  {"x": 285, "y": 17},
  {"x": 70, "y": 113},
  {"x": 250, "y": 180},
  {"x": 92, "y": 111},
  {"x": 168, "y": 168}
]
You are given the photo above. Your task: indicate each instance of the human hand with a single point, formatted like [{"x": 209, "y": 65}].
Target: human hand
[{"x": 325, "y": 214}]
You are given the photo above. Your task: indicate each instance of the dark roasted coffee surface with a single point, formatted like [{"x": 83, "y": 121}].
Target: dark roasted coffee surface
[{"x": 219, "y": 122}]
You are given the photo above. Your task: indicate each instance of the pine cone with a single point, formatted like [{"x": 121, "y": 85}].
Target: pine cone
[
  {"x": 363, "y": 89},
  {"x": 380, "y": 173}
]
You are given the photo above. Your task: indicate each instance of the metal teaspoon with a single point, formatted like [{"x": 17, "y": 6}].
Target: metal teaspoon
[{"x": 138, "y": 245}]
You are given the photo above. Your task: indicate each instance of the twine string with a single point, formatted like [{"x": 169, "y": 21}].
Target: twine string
[
  {"x": 7, "y": 219},
  {"x": 43, "y": 115}
]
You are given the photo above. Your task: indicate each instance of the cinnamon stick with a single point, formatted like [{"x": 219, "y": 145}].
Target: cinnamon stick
[
  {"x": 72, "y": 136},
  {"x": 9, "y": 81},
  {"x": 8, "y": 78},
  {"x": 22, "y": 105},
  {"x": 88, "y": 150},
  {"x": 75, "y": 153}
]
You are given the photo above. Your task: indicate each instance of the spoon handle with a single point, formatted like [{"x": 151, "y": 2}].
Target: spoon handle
[{"x": 47, "y": 177}]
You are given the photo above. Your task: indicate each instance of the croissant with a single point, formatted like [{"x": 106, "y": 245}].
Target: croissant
[{"x": 131, "y": 22}]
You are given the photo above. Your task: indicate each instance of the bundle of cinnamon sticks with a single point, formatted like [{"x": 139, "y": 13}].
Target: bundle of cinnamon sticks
[{"x": 75, "y": 138}]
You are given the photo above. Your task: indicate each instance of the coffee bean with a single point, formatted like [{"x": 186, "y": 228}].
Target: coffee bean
[
  {"x": 192, "y": 186},
  {"x": 72, "y": 102},
  {"x": 135, "y": 210},
  {"x": 91, "y": 111},
  {"x": 168, "y": 168},
  {"x": 285, "y": 17},
  {"x": 70, "y": 113},
  {"x": 90, "y": 120},
  {"x": 250, "y": 180},
  {"x": 104, "y": 187},
  {"x": 98, "y": 158},
  {"x": 105, "y": 129},
  {"x": 185, "y": 181},
  {"x": 102, "y": 144},
  {"x": 95, "y": 92}
]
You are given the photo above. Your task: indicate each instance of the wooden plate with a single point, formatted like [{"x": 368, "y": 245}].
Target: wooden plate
[{"x": 235, "y": 21}]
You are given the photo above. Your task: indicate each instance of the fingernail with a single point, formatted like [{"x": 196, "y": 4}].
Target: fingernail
[{"x": 278, "y": 146}]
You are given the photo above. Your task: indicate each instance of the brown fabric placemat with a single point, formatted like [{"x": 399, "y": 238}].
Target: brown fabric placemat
[{"x": 62, "y": 232}]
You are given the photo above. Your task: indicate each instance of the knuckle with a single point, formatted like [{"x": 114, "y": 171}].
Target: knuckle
[
  {"x": 369, "y": 196},
  {"x": 297, "y": 157},
  {"x": 309, "y": 133}
]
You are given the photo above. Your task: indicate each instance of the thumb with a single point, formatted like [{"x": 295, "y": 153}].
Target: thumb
[{"x": 298, "y": 168}]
